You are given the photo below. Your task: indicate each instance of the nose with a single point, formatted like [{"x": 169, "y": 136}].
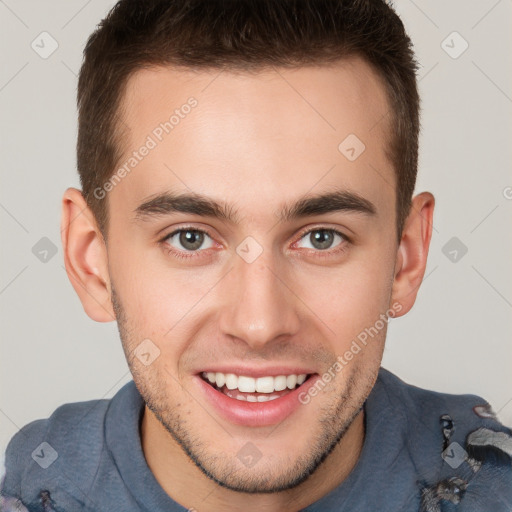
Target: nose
[{"x": 259, "y": 304}]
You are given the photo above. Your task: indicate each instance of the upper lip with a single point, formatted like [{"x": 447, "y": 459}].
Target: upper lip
[{"x": 272, "y": 371}]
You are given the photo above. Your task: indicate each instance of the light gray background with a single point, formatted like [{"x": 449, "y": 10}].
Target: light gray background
[{"x": 456, "y": 339}]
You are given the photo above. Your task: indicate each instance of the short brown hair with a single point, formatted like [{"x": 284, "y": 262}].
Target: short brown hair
[{"x": 243, "y": 35}]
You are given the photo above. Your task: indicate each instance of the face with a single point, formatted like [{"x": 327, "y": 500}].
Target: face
[{"x": 260, "y": 281}]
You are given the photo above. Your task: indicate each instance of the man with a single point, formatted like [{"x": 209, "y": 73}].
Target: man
[{"x": 246, "y": 216}]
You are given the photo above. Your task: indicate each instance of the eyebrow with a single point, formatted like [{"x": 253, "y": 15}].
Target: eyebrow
[{"x": 339, "y": 200}]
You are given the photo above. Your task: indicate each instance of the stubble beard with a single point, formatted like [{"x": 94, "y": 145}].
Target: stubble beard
[{"x": 227, "y": 471}]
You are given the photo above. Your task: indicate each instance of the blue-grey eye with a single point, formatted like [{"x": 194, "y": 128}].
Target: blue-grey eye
[
  {"x": 189, "y": 239},
  {"x": 322, "y": 239}
]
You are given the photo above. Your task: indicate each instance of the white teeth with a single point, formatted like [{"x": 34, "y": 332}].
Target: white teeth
[
  {"x": 291, "y": 381},
  {"x": 220, "y": 379},
  {"x": 264, "y": 384},
  {"x": 280, "y": 382},
  {"x": 245, "y": 384},
  {"x": 231, "y": 381},
  {"x": 252, "y": 398}
]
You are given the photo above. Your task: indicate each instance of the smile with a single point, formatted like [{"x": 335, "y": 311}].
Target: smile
[{"x": 251, "y": 389}]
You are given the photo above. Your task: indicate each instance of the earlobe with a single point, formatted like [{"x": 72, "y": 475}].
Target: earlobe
[
  {"x": 412, "y": 253},
  {"x": 85, "y": 256}
]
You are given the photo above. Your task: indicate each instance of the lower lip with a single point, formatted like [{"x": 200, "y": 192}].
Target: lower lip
[{"x": 256, "y": 414}]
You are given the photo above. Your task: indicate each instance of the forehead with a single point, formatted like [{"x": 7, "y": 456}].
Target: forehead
[{"x": 274, "y": 134}]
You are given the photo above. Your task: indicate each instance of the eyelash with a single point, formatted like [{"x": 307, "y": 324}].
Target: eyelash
[{"x": 185, "y": 255}]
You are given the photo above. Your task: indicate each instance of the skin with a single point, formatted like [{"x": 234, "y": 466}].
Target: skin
[{"x": 257, "y": 141}]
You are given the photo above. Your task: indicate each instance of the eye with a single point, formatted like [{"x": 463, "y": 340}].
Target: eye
[
  {"x": 189, "y": 240},
  {"x": 322, "y": 238}
]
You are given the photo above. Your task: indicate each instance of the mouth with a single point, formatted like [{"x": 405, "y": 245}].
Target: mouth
[
  {"x": 255, "y": 389},
  {"x": 256, "y": 397}
]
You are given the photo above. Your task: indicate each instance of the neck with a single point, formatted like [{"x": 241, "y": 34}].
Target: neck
[{"x": 186, "y": 484}]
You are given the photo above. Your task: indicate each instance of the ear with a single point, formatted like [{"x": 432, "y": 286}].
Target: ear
[
  {"x": 411, "y": 259},
  {"x": 85, "y": 256}
]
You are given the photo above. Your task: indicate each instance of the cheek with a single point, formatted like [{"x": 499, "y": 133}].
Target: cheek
[
  {"x": 348, "y": 299},
  {"x": 159, "y": 301},
  {"x": 166, "y": 303}
]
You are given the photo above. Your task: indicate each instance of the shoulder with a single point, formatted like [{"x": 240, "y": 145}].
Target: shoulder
[
  {"x": 424, "y": 405},
  {"x": 462, "y": 452},
  {"x": 66, "y": 447}
]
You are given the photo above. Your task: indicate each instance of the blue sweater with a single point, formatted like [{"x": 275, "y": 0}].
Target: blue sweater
[{"x": 423, "y": 452}]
